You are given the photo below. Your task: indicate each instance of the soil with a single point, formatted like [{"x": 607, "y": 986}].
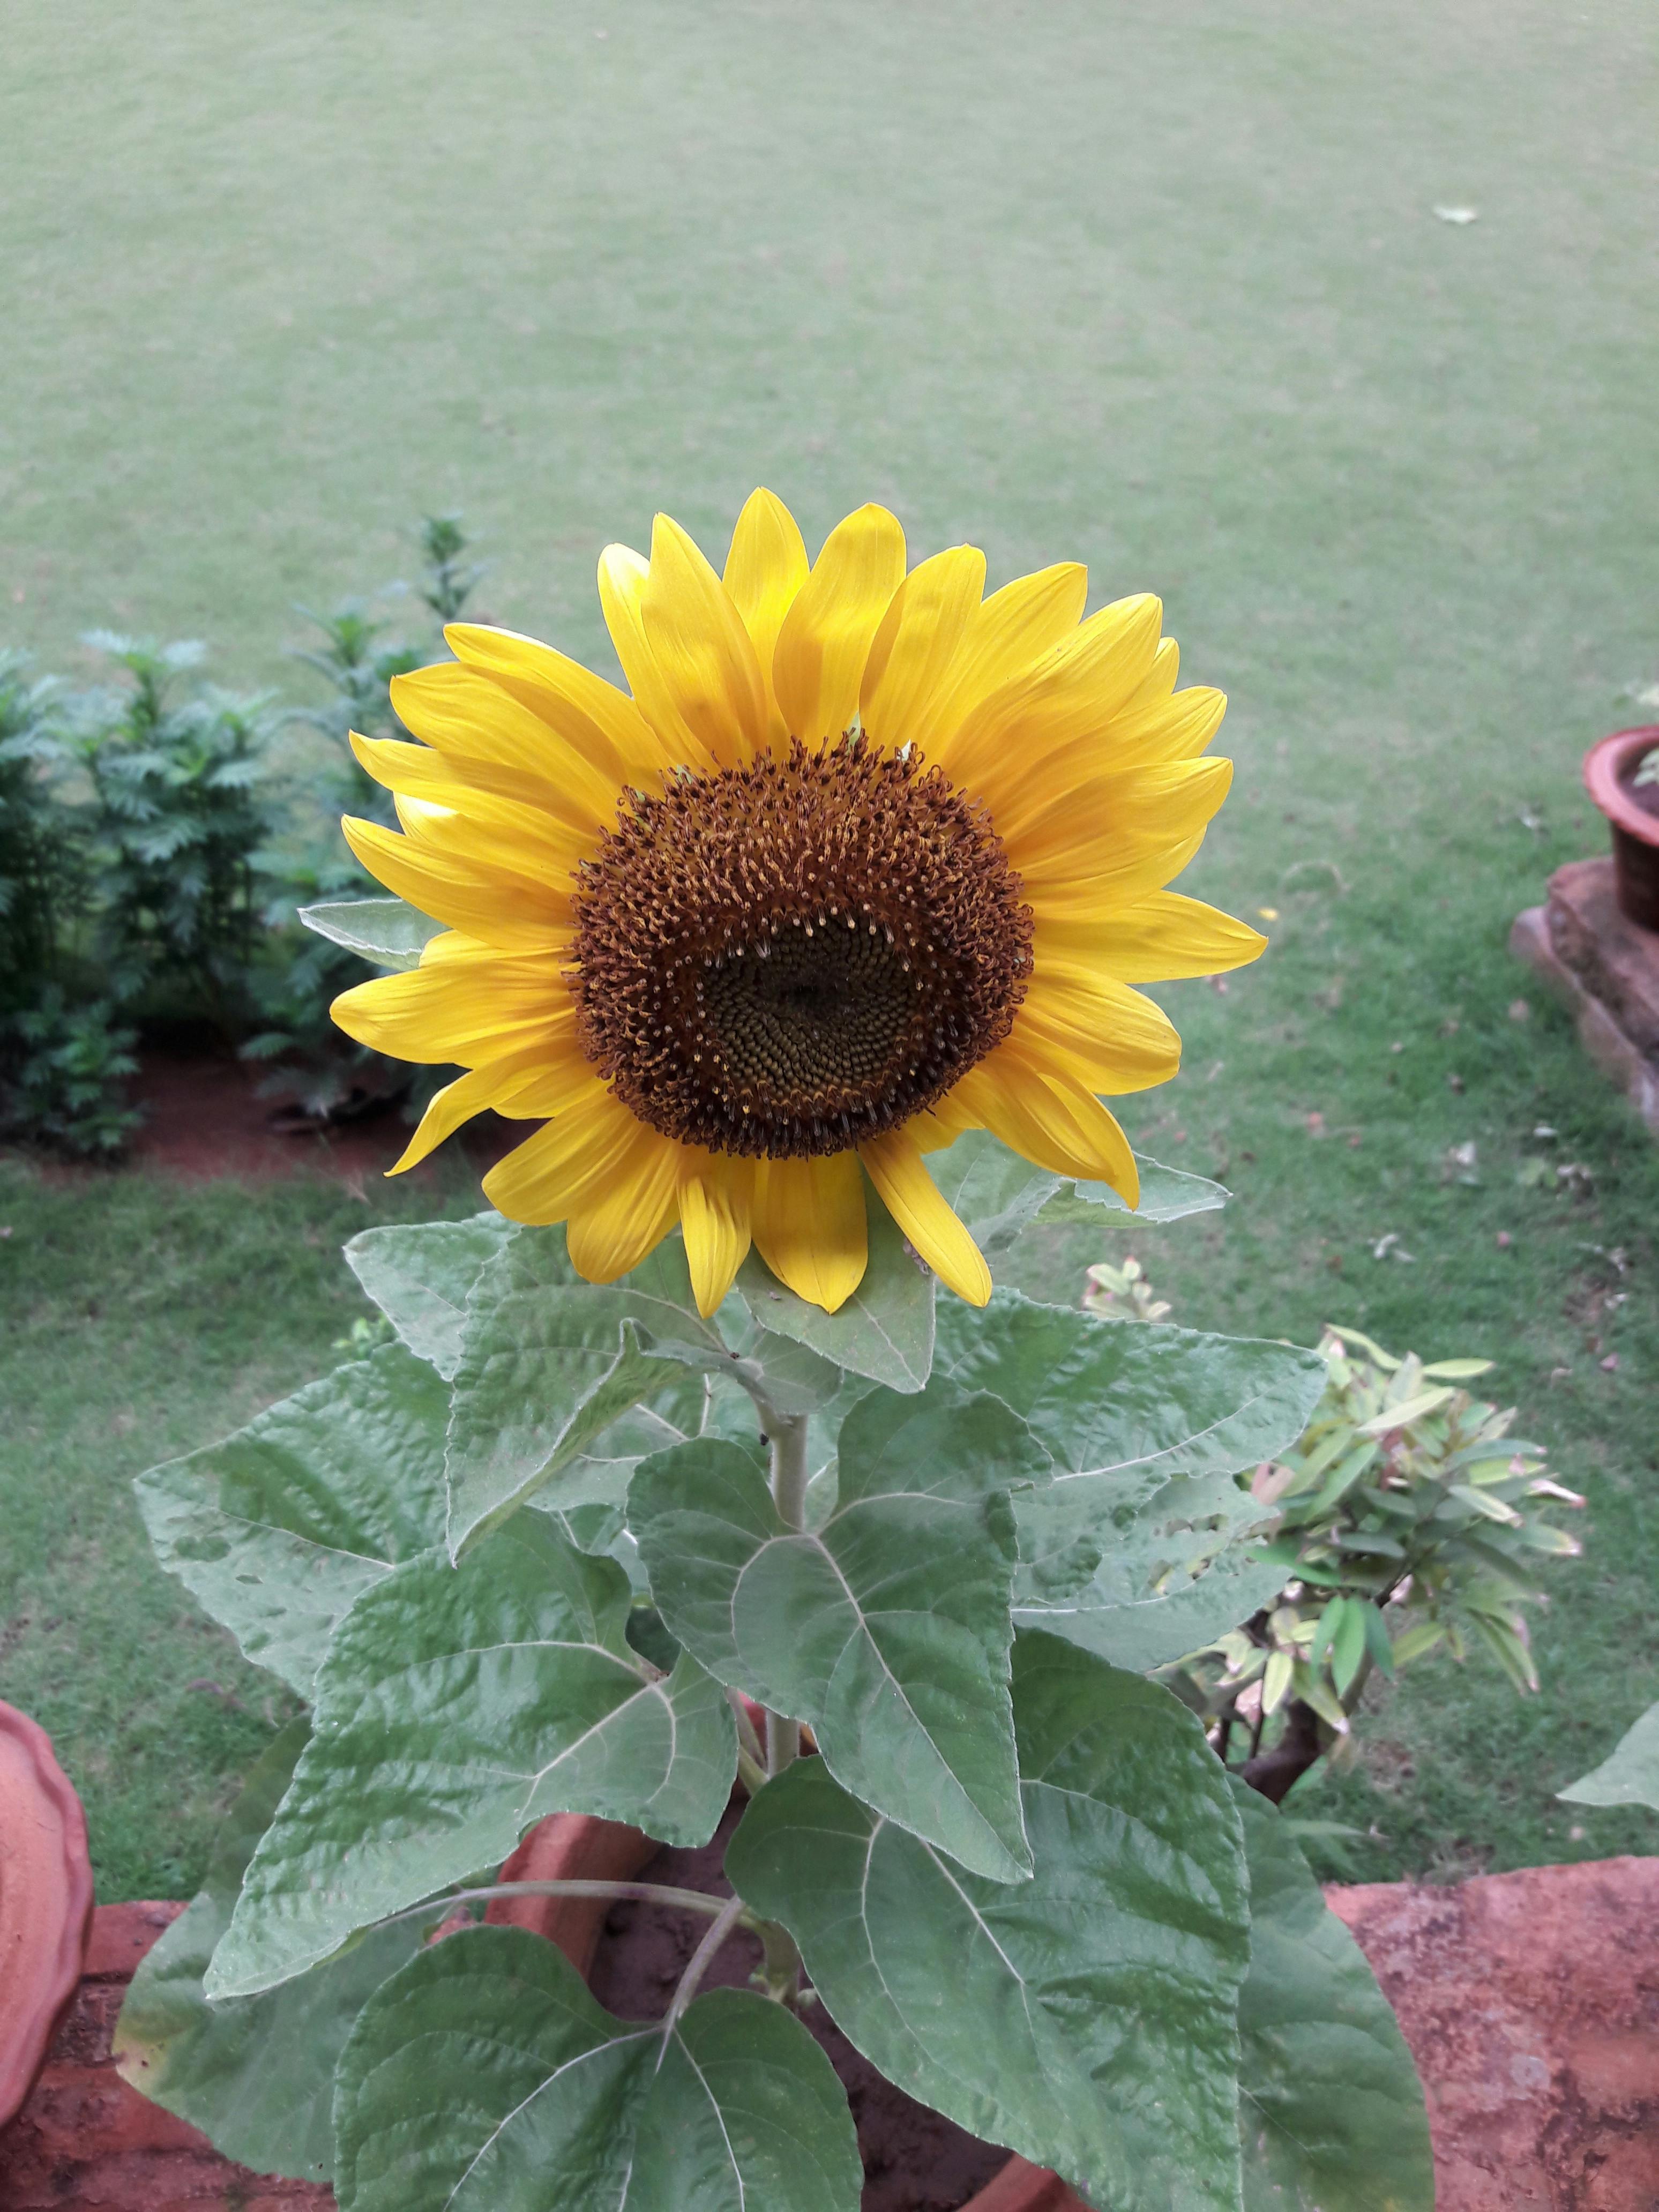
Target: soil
[
  {"x": 915, "y": 2160},
  {"x": 205, "y": 1117}
]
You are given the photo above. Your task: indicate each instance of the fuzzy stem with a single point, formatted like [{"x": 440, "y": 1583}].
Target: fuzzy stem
[
  {"x": 788, "y": 1440},
  {"x": 646, "y": 1892},
  {"x": 701, "y": 1959}
]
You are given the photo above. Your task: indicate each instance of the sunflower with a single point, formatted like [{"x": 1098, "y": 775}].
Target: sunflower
[{"x": 866, "y": 860}]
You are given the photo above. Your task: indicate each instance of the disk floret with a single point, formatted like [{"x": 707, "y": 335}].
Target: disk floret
[{"x": 788, "y": 958}]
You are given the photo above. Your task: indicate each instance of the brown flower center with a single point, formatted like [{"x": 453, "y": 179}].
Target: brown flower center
[{"x": 787, "y": 958}]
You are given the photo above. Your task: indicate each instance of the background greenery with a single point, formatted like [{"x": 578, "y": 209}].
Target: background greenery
[{"x": 1165, "y": 291}]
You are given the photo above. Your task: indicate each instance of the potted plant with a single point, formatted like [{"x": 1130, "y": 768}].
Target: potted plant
[
  {"x": 710, "y": 1470},
  {"x": 45, "y": 1900},
  {"x": 1621, "y": 774}
]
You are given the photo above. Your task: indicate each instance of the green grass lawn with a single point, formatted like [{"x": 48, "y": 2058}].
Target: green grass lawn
[{"x": 1162, "y": 289}]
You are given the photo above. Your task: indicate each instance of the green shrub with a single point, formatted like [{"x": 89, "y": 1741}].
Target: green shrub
[
  {"x": 68, "y": 1066},
  {"x": 177, "y": 813},
  {"x": 358, "y": 660},
  {"x": 39, "y": 861}
]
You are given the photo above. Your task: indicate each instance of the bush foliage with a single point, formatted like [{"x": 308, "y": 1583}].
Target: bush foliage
[{"x": 154, "y": 862}]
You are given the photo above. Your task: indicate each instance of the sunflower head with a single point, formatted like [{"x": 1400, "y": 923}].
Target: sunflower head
[{"x": 862, "y": 860}]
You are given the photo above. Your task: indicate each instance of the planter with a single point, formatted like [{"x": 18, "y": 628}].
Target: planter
[
  {"x": 46, "y": 1901},
  {"x": 1527, "y": 2000},
  {"x": 1632, "y": 812},
  {"x": 568, "y": 1847}
]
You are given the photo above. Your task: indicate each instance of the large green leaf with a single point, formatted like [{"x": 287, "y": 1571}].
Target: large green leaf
[
  {"x": 420, "y": 1276},
  {"x": 1331, "y": 2112},
  {"x": 885, "y": 1330},
  {"x": 1629, "y": 1775},
  {"x": 255, "y": 2075},
  {"x": 998, "y": 1194},
  {"x": 548, "y": 1362},
  {"x": 1147, "y": 1427},
  {"x": 1085, "y": 2018},
  {"x": 458, "y": 1705},
  {"x": 485, "y": 2078},
  {"x": 886, "y": 1627},
  {"x": 279, "y": 1530},
  {"x": 387, "y": 931},
  {"x": 1164, "y": 1578}
]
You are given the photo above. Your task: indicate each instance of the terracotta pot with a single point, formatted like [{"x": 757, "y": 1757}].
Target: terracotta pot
[
  {"x": 570, "y": 1847},
  {"x": 1609, "y": 768},
  {"x": 46, "y": 1901}
]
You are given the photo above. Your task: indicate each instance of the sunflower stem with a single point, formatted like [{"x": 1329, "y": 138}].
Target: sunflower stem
[
  {"x": 789, "y": 1439},
  {"x": 789, "y": 1469}
]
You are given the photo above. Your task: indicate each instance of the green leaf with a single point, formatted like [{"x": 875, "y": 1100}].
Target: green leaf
[
  {"x": 280, "y": 1529},
  {"x": 1331, "y": 2110},
  {"x": 420, "y": 1276},
  {"x": 1402, "y": 1415},
  {"x": 255, "y": 2075},
  {"x": 1085, "y": 2018},
  {"x": 548, "y": 1362},
  {"x": 998, "y": 1194},
  {"x": 485, "y": 2078},
  {"x": 885, "y": 1329},
  {"x": 1147, "y": 1427},
  {"x": 386, "y": 930},
  {"x": 994, "y": 1193},
  {"x": 457, "y": 1707},
  {"x": 1348, "y": 1642},
  {"x": 1166, "y": 1194},
  {"x": 1630, "y": 1773},
  {"x": 886, "y": 1627}
]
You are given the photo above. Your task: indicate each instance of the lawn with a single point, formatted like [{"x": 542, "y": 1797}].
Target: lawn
[{"x": 1163, "y": 290}]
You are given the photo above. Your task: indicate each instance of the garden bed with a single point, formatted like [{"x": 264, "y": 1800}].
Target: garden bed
[{"x": 1530, "y": 2000}]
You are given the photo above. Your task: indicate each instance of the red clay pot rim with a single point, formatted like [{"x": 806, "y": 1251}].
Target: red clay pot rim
[
  {"x": 45, "y": 1902},
  {"x": 1602, "y": 766},
  {"x": 571, "y": 1847}
]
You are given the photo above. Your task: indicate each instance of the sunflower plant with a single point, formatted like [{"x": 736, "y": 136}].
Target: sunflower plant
[{"x": 709, "y": 1463}]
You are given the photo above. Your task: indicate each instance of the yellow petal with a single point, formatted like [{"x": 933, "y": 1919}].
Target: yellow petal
[
  {"x": 1169, "y": 733},
  {"x": 913, "y": 1197},
  {"x": 1088, "y": 827},
  {"x": 522, "y": 1086},
  {"x": 1049, "y": 1118},
  {"x": 509, "y": 911},
  {"x": 613, "y": 1226},
  {"x": 576, "y": 1153},
  {"x": 716, "y": 1197},
  {"x": 1010, "y": 632},
  {"x": 622, "y": 575},
  {"x": 498, "y": 833},
  {"x": 1112, "y": 1038},
  {"x": 467, "y": 717},
  {"x": 826, "y": 635},
  {"x": 1159, "y": 939},
  {"x": 764, "y": 570},
  {"x": 702, "y": 649},
  {"x": 1072, "y": 691},
  {"x": 461, "y": 1009},
  {"x": 925, "y": 622},
  {"x": 601, "y": 723},
  {"x": 422, "y": 772},
  {"x": 810, "y": 1225}
]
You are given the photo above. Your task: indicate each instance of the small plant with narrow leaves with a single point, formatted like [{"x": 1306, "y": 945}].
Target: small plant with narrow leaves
[
  {"x": 712, "y": 1465},
  {"x": 1407, "y": 1520}
]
